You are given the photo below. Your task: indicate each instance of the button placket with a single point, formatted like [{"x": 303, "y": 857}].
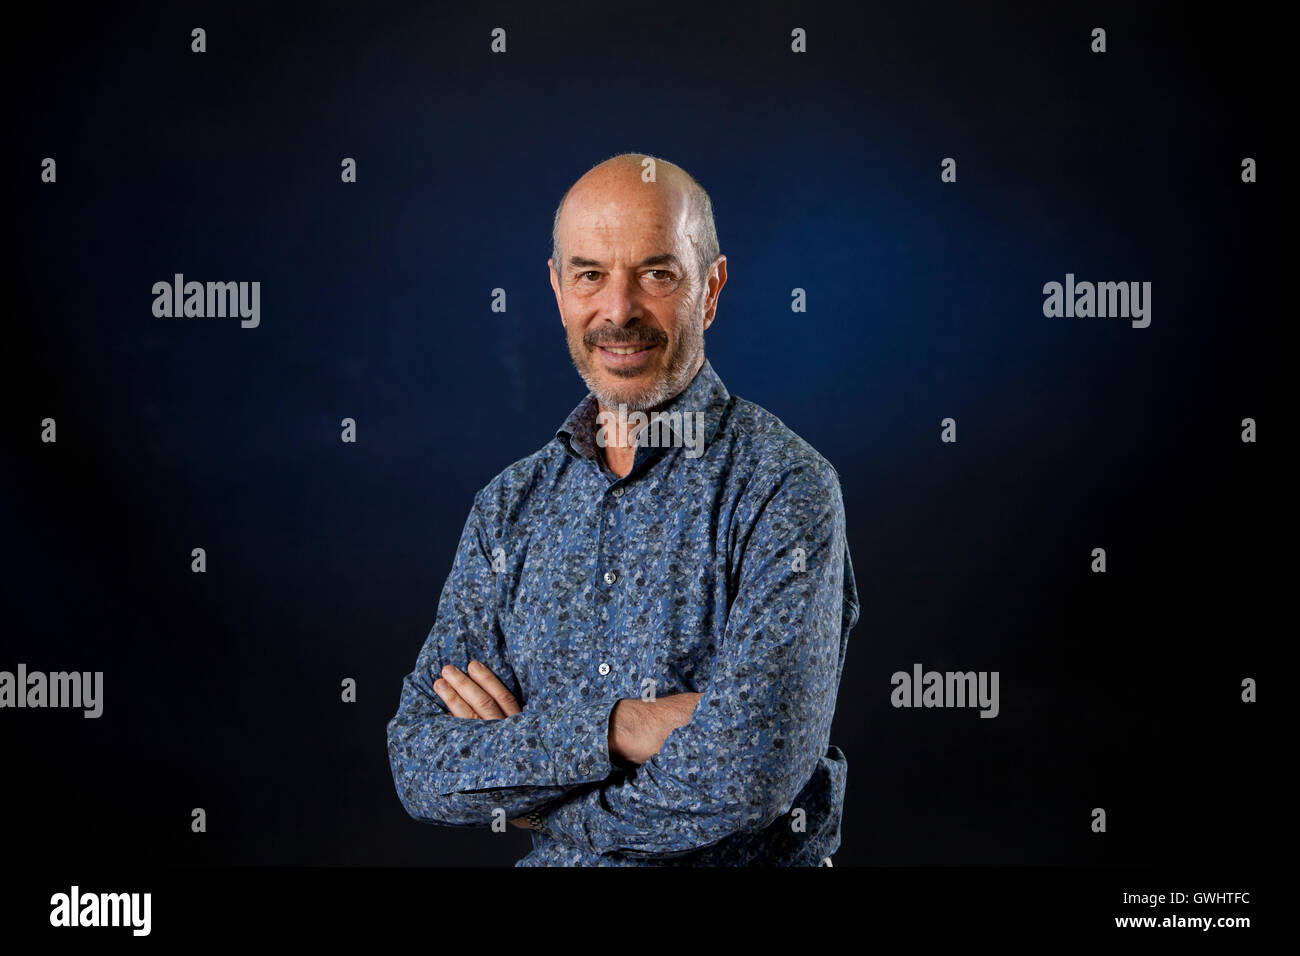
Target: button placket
[{"x": 616, "y": 547}]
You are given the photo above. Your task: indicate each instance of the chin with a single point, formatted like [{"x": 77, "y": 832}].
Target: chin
[{"x": 614, "y": 395}]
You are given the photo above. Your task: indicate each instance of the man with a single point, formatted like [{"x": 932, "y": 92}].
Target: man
[{"x": 637, "y": 650}]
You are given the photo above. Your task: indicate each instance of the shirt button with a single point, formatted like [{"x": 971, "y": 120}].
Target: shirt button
[
  {"x": 604, "y": 669},
  {"x": 584, "y": 768},
  {"x": 618, "y": 492},
  {"x": 610, "y": 577}
]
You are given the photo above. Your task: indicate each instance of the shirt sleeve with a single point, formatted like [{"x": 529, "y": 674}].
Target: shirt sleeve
[
  {"x": 460, "y": 771},
  {"x": 763, "y": 721}
]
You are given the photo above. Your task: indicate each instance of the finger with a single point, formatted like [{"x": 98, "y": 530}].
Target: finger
[
  {"x": 489, "y": 682},
  {"x": 453, "y": 700},
  {"x": 472, "y": 693}
]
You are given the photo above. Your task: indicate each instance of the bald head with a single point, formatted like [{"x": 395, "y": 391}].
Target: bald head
[
  {"x": 636, "y": 273},
  {"x": 620, "y": 180}
]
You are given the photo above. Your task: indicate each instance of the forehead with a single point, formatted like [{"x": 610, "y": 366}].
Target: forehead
[{"x": 627, "y": 215}]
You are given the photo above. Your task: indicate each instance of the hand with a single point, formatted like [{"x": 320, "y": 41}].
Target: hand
[
  {"x": 638, "y": 728},
  {"x": 477, "y": 694}
]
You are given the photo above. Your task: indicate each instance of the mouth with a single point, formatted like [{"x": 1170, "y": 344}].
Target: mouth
[{"x": 625, "y": 355}]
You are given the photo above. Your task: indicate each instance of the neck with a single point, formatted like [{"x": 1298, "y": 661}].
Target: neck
[{"x": 620, "y": 435}]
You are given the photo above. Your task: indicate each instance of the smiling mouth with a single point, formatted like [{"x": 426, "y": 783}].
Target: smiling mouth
[
  {"x": 625, "y": 349},
  {"x": 626, "y": 359}
]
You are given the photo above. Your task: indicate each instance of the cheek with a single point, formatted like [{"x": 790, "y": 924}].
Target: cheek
[
  {"x": 681, "y": 322},
  {"x": 574, "y": 329}
]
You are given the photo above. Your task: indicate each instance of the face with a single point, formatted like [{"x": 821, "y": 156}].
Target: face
[{"x": 633, "y": 306}]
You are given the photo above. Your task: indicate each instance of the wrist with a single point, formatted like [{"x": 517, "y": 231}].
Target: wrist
[{"x": 623, "y": 723}]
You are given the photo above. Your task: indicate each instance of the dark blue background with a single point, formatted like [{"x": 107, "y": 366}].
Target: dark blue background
[{"x": 325, "y": 560}]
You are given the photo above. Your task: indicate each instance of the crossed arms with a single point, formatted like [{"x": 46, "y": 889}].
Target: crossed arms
[
  {"x": 637, "y": 728},
  {"x": 692, "y": 769}
]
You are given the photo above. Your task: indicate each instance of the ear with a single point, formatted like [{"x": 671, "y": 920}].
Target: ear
[
  {"x": 555, "y": 287},
  {"x": 716, "y": 280}
]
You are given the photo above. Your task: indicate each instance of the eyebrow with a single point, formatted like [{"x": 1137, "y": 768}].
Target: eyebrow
[{"x": 664, "y": 258}]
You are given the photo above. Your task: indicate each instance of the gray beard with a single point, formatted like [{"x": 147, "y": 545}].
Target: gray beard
[
  {"x": 676, "y": 377},
  {"x": 636, "y": 402}
]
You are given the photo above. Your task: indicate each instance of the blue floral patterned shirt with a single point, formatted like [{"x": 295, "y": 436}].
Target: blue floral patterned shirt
[{"x": 719, "y": 564}]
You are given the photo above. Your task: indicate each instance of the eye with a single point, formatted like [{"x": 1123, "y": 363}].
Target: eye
[
  {"x": 663, "y": 272},
  {"x": 590, "y": 272}
]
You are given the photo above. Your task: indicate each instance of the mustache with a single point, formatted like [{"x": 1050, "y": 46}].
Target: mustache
[{"x": 610, "y": 340}]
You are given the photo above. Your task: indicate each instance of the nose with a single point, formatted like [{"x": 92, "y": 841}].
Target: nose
[{"x": 619, "y": 303}]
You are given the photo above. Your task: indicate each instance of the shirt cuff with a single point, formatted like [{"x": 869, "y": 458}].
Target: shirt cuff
[
  {"x": 577, "y": 738},
  {"x": 570, "y": 822}
]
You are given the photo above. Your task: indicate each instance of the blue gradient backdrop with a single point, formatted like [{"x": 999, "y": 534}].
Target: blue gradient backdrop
[{"x": 325, "y": 560}]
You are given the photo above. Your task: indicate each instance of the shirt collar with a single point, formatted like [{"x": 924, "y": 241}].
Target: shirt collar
[{"x": 705, "y": 396}]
